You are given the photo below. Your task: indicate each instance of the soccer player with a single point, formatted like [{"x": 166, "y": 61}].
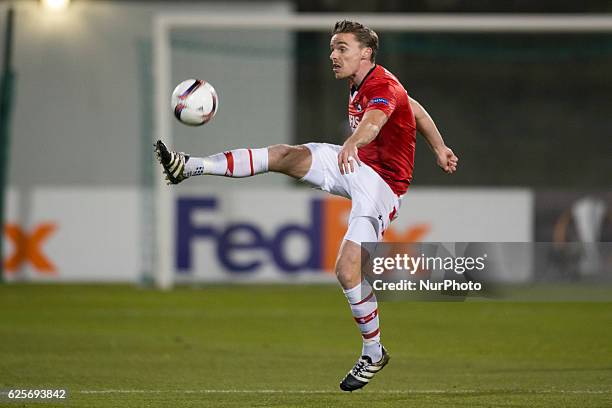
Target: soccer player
[{"x": 373, "y": 168}]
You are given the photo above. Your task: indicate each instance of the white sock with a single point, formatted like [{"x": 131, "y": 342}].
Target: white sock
[
  {"x": 233, "y": 163},
  {"x": 364, "y": 307}
]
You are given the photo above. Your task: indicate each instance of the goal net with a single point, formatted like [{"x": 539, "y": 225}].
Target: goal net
[{"x": 486, "y": 79}]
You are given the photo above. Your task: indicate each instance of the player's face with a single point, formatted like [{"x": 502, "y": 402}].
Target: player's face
[{"x": 346, "y": 55}]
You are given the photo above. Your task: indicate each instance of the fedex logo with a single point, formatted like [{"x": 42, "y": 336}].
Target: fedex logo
[
  {"x": 28, "y": 248},
  {"x": 244, "y": 246},
  {"x": 228, "y": 244}
]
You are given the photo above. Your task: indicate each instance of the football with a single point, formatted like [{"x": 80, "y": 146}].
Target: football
[{"x": 195, "y": 102}]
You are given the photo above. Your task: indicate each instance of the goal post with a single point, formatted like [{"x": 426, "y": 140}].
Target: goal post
[
  {"x": 455, "y": 23},
  {"x": 163, "y": 24}
]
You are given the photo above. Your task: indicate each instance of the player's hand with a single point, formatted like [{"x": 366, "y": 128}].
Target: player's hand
[
  {"x": 347, "y": 158},
  {"x": 447, "y": 160}
]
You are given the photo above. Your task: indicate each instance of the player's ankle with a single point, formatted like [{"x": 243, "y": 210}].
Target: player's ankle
[
  {"x": 372, "y": 349},
  {"x": 194, "y": 166}
]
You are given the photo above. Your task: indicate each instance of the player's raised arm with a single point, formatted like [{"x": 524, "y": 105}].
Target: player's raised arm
[
  {"x": 373, "y": 120},
  {"x": 446, "y": 159}
]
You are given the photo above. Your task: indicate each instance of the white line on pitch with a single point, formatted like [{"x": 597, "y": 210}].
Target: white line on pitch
[{"x": 230, "y": 391}]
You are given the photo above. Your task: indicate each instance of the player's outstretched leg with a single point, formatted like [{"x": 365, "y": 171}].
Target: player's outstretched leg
[
  {"x": 234, "y": 163},
  {"x": 293, "y": 161}
]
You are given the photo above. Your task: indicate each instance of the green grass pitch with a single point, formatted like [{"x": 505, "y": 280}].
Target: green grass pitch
[{"x": 221, "y": 346}]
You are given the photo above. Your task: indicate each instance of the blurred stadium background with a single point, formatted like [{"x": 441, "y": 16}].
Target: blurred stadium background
[{"x": 88, "y": 228}]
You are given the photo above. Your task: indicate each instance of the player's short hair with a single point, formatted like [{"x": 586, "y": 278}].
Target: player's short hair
[{"x": 365, "y": 35}]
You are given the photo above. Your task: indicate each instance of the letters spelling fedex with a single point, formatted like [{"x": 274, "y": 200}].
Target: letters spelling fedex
[
  {"x": 230, "y": 239},
  {"x": 321, "y": 235}
]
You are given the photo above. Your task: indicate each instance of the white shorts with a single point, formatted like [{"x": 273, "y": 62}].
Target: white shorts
[{"x": 374, "y": 204}]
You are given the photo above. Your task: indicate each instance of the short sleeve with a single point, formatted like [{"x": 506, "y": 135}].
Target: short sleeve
[{"x": 380, "y": 96}]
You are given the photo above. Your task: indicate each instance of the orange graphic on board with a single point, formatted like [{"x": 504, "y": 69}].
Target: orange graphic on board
[
  {"x": 335, "y": 222},
  {"x": 28, "y": 248}
]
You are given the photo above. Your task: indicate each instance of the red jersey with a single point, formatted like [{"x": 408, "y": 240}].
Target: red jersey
[{"x": 391, "y": 153}]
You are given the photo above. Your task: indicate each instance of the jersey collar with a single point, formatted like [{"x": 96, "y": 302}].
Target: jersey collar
[{"x": 355, "y": 88}]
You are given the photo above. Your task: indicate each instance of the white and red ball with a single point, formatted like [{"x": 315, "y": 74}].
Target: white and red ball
[{"x": 195, "y": 102}]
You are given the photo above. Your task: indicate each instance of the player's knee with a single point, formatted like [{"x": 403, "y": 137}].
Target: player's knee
[
  {"x": 280, "y": 151},
  {"x": 348, "y": 269},
  {"x": 287, "y": 159},
  {"x": 278, "y": 156}
]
